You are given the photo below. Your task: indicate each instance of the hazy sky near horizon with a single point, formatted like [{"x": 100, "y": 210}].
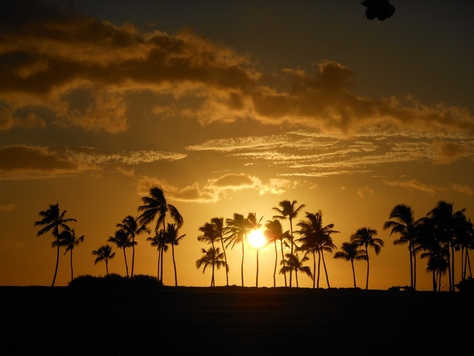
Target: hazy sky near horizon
[{"x": 230, "y": 107}]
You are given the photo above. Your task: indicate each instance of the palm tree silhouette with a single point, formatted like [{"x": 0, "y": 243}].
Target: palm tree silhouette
[
  {"x": 316, "y": 238},
  {"x": 238, "y": 228},
  {"x": 53, "y": 219},
  {"x": 131, "y": 227},
  {"x": 155, "y": 206},
  {"x": 68, "y": 239},
  {"x": 402, "y": 222},
  {"x": 350, "y": 252},
  {"x": 104, "y": 253},
  {"x": 173, "y": 239},
  {"x": 218, "y": 224},
  {"x": 294, "y": 263},
  {"x": 288, "y": 211},
  {"x": 159, "y": 241},
  {"x": 214, "y": 258},
  {"x": 364, "y": 237},
  {"x": 122, "y": 240},
  {"x": 274, "y": 233},
  {"x": 253, "y": 225}
]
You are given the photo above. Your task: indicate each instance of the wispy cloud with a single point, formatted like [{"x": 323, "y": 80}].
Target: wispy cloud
[
  {"x": 8, "y": 207},
  {"x": 52, "y": 57}
]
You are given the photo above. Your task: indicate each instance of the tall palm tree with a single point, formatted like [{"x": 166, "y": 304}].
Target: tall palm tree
[
  {"x": 104, "y": 253},
  {"x": 209, "y": 234},
  {"x": 214, "y": 258},
  {"x": 173, "y": 238},
  {"x": 218, "y": 224},
  {"x": 237, "y": 228},
  {"x": 212, "y": 233},
  {"x": 131, "y": 226},
  {"x": 445, "y": 226},
  {"x": 52, "y": 220},
  {"x": 159, "y": 241},
  {"x": 364, "y": 237},
  {"x": 315, "y": 239},
  {"x": 403, "y": 223},
  {"x": 288, "y": 210},
  {"x": 68, "y": 239},
  {"x": 274, "y": 233},
  {"x": 294, "y": 263},
  {"x": 122, "y": 240},
  {"x": 155, "y": 206},
  {"x": 350, "y": 252}
]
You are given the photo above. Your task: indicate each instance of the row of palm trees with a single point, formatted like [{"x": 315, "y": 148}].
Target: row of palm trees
[{"x": 314, "y": 239}]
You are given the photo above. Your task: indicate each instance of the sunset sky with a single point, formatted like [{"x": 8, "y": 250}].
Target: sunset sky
[{"x": 230, "y": 107}]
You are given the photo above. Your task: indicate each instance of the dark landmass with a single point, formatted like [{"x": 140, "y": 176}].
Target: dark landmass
[{"x": 232, "y": 320}]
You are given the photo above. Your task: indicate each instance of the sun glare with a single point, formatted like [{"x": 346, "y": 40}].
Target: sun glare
[{"x": 257, "y": 239}]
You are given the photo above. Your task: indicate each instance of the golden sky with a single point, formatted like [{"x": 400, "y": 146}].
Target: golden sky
[{"x": 230, "y": 107}]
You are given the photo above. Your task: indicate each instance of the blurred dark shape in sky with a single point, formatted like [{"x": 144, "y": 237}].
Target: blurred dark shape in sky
[{"x": 381, "y": 9}]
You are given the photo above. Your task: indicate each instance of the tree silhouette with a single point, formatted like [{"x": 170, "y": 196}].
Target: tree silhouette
[
  {"x": 214, "y": 258},
  {"x": 104, "y": 253},
  {"x": 159, "y": 241},
  {"x": 274, "y": 233},
  {"x": 237, "y": 229},
  {"x": 294, "y": 263},
  {"x": 173, "y": 238},
  {"x": 316, "y": 238},
  {"x": 403, "y": 223},
  {"x": 350, "y": 252},
  {"x": 122, "y": 240},
  {"x": 218, "y": 224},
  {"x": 381, "y": 9},
  {"x": 68, "y": 239},
  {"x": 52, "y": 220},
  {"x": 288, "y": 210},
  {"x": 364, "y": 237},
  {"x": 132, "y": 228}
]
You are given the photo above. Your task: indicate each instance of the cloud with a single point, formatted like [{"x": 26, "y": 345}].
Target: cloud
[
  {"x": 413, "y": 184},
  {"x": 50, "y": 56},
  {"x": 8, "y": 207},
  {"x": 447, "y": 152}
]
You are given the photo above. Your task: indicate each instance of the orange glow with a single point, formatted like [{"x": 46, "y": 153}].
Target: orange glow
[{"x": 257, "y": 239}]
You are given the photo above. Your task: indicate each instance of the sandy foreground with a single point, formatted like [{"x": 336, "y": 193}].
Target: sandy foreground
[{"x": 233, "y": 321}]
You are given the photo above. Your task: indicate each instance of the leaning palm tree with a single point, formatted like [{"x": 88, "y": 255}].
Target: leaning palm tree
[
  {"x": 52, "y": 220},
  {"x": 237, "y": 228},
  {"x": 294, "y": 263},
  {"x": 288, "y": 210},
  {"x": 173, "y": 238},
  {"x": 132, "y": 228},
  {"x": 350, "y": 252},
  {"x": 122, "y": 240},
  {"x": 68, "y": 239},
  {"x": 159, "y": 241},
  {"x": 104, "y": 253},
  {"x": 214, "y": 258},
  {"x": 403, "y": 223},
  {"x": 274, "y": 233},
  {"x": 364, "y": 237}
]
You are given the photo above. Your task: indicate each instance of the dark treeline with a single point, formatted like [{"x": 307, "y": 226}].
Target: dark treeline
[{"x": 441, "y": 238}]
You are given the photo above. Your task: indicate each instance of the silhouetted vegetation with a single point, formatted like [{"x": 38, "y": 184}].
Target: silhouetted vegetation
[
  {"x": 380, "y": 9},
  {"x": 114, "y": 280}
]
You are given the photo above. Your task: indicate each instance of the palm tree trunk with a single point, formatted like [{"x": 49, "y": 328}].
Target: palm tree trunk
[
  {"x": 126, "y": 264},
  {"x": 319, "y": 267},
  {"x": 256, "y": 282},
  {"x": 225, "y": 259},
  {"x": 133, "y": 255},
  {"x": 57, "y": 264},
  {"x": 368, "y": 267},
  {"x": 291, "y": 250},
  {"x": 162, "y": 256},
  {"x": 325, "y": 269},
  {"x": 414, "y": 268},
  {"x": 276, "y": 261},
  {"x": 452, "y": 270},
  {"x": 242, "y": 263},
  {"x": 314, "y": 269},
  {"x": 106, "y": 267},
  {"x": 174, "y": 266},
  {"x": 70, "y": 263},
  {"x": 411, "y": 262},
  {"x": 296, "y": 277},
  {"x": 283, "y": 258},
  {"x": 468, "y": 261},
  {"x": 353, "y": 273}
]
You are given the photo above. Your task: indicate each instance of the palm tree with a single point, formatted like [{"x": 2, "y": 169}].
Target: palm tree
[
  {"x": 68, "y": 239},
  {"x": 104, "y": 253},
  {"x": 316, "y": 238},
  {"x": 214, "y": 258},
  {"x": 159, "y": 241},
  {"x": 402, "y": 222},
  {"x": 274, "y": 233},
  {"x": 173, "y": 239},
  {"x": 292, "y": 262},
  {"x": 213, "y": 232},
  {"x": 132, "y": 228},
  {"x": 350, "y": 252},
  {"x": 122, "y": 240},
  {"x": 288, "y": 211},
  {"x": 155, "y": 206},
  {"x": 218, "y": 224},
  {"x": 53, "y": 219},
  {"x": 238, "y": 228},
  {"x": 365, "y": 237}
]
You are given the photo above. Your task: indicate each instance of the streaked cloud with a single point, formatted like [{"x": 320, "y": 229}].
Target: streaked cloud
[
  {"x": 8, "y": 207},
  {"x": 413, "y": 184}
]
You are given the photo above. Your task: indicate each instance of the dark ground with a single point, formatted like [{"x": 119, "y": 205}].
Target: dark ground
[{"x": 233, "y": 320}]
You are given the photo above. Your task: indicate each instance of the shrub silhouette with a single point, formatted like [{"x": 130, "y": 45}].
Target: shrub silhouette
[{"x": 115, "y": 281}]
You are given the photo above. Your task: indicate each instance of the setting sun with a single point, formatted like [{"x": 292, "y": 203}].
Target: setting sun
[{"x": 257, "y": 239}]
